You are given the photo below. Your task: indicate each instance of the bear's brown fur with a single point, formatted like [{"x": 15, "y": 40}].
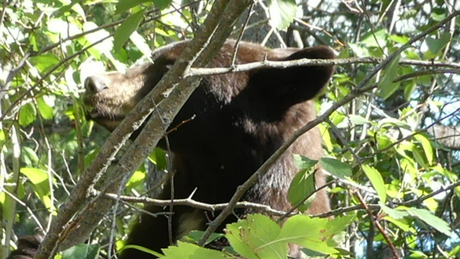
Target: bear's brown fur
[{"x": 239, "y": 120}]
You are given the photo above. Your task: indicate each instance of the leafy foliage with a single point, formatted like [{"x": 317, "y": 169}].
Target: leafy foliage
[{"x": 392, "y": 184}]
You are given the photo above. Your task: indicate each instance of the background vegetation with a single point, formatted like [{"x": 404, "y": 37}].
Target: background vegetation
[{"x": 389, "y": 126}]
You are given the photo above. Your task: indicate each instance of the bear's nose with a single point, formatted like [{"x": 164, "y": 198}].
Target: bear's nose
[{"x": 95, "y": 84}]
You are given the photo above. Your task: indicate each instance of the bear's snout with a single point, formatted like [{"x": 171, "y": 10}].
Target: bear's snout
[{"x": 95, "y": 84}]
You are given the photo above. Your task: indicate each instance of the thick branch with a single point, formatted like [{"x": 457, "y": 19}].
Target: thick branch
[{"x": 446, "y": 135}]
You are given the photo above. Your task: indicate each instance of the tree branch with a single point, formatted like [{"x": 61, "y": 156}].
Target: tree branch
[
  {"x": 315, "y": 62},
  {"x": 192, "y": 203},
  {"x": 448, "y": 136}
]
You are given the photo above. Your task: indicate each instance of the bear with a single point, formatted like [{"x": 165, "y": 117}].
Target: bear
[{"x": 230, "y": 125}]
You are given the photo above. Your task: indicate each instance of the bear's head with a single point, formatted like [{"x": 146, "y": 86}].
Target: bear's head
[{"x": 224, "y": 105}]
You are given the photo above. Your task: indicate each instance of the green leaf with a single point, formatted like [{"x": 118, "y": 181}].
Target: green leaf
[
  {"x": 159, "y": 158},
  {"x": 2, "y": 138},
  {"x": 377, "y": 181},
  {"x": 419, "y": 157},
  {"x": 335, "y": 167},
  {"x": 338, "y": 224},
  {"x": 303, "y": 162},
  {"x": 436, "y": 45},
  {"x": 400, "y": 223},
  {"x": 29, "y": 155},
  {"x": 140, "y": 43},
  {"x": 282, "y": 13},
  {"x": 137, "y": 179},
  {"x": 162, "y": 4},
  {"x": 427, "y": 148},
  {"x": 190, "y": 251},
  {"x": 196, "y": 235},
  {"x": 39, "y": 178},
  {"x": 44, "y": 62},
  {"x": 143, "y": 249},
  {"x": 82, "y": 251},
  {"x": 432, "y": 220},
  {"x": 317, "y": 238},
  {"x": 409, "y": 88},
  {"x": 102, "y": 47},
  {"x": 27, "y": 114},
  {"x": 393, "y": 213},
  {"x": 387, "y": 88},
  {"x": 403, "y": 39},
  {"x": 358, "y": 120},
  {"x": 44, "y": 109},
  {"x": 125, "y": 30},
  {"x": 376, "y": 39},
  {"x": 301, "y": 187},
  {"x": 256, "y": 237},
  {"x": 125, "y": 5}
]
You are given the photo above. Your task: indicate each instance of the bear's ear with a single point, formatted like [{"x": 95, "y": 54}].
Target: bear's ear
[{"x": 297, "y": 84}]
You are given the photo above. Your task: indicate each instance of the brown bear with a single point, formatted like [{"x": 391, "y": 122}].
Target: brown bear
[{"x": 233, "y": 123}]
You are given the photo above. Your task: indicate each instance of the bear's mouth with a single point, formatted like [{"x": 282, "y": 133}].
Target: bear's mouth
[{"x": 98, "y": 114}]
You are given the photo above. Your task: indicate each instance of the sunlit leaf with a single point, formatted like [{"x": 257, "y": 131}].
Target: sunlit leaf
[
  {"x": 358, "y": 120},
  {"x": 96, "y": 37},
  {"x": 2, "y": 137},
  {"x": 125, "y": 5},
  {"x": 419, "y": 157},
  {"x": 140, "y": 43},
  {"x": 393, "y": 213},
  {"x": 143, "y": 249},
  {"x": 377, "y": 181},
  {"x": 282, "y": 13},
  {"x": 45, "y": 110},
  {"x": 317, "y": 238},
  {"x": 29, "y": 155},
  {"x": 377, "y": 39},
  {"x": 427, "y": 148},
  {"x": 256, "y": 237},
  {"x": 159, "y": 158},
  {"x": 386, "y": 85},
  {"x": 301, "y": 187},
  {"x": 196, "y": 236},
  {"x": 39, "y": 178},
  {"x": 303, "y": 162},
  {"x": 436, "y": 45},
  {"x": 188, "y": 250},
  {"x": 82, "y": 251},
  {"x": 137, "y": 178},
  {"x": 335, "y": 167},
  {"x": 125, "y": 30},
  {"x": 162, "y": 4},
  {"x": 431, "y": 220},
  {"x": 44, "y": 62},
  {"x": 400, "y": 223},
  {"x": 27, "y": 114}
]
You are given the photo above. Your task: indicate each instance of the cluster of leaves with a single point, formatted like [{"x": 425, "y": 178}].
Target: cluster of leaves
[{"x": 393, "y": 185}]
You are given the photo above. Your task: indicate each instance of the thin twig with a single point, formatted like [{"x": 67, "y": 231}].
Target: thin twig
[
  {"x": 316, "y": 62},
  {"x": 193, "y": 203},
  {"x": 376, "y": 223}
]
